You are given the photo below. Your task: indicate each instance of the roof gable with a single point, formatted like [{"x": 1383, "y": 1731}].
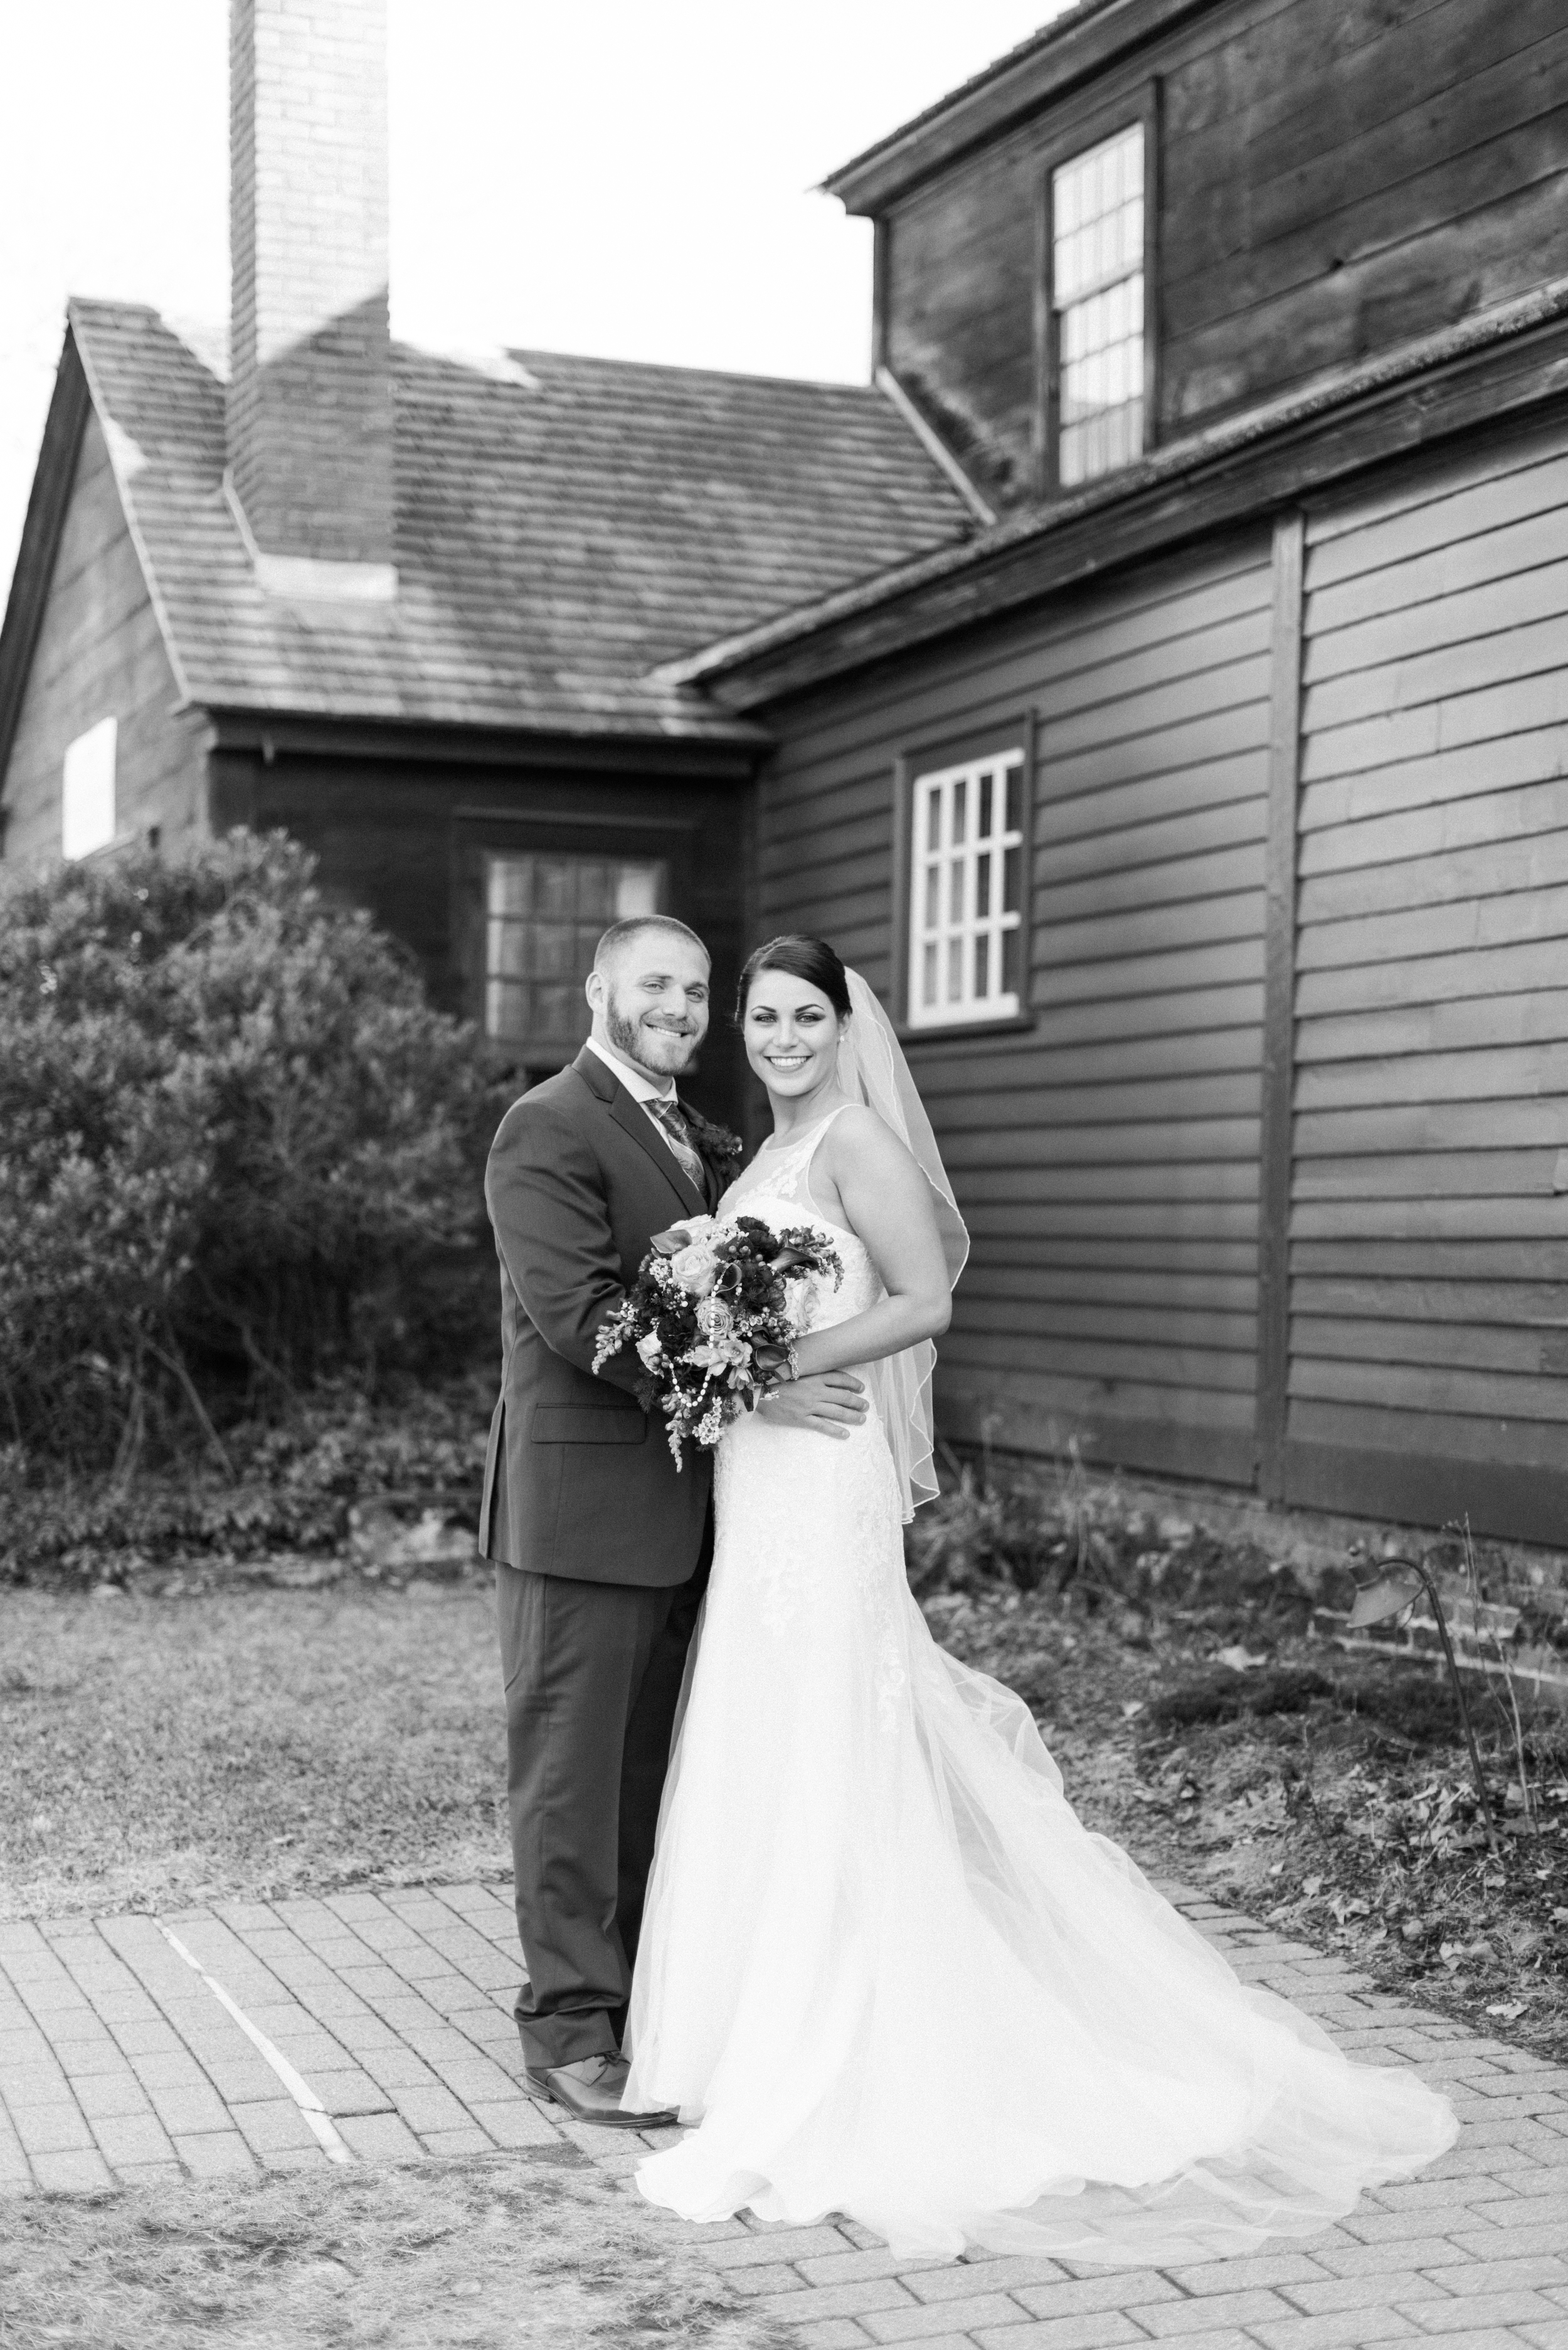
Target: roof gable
[
  {"x": 47, "y": 504},
  {"x": 1066, "y": 53},
  {"x": 564, "y": 526}
]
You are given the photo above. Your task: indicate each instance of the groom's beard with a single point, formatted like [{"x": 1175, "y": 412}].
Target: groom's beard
[{"x": 662, "y": 1052}]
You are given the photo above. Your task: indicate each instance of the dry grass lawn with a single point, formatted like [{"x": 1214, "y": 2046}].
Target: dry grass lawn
[{"x": 162, "y": 1752}]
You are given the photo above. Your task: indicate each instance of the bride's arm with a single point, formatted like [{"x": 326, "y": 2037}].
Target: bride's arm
[{"x": 888, "y": 1203}]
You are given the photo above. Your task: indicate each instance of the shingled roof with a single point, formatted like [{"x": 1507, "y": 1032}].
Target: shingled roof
[{"x": 564, "y": 526}]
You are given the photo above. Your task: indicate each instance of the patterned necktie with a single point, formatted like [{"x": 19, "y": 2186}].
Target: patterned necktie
[{"x": 661, "y": 1109}]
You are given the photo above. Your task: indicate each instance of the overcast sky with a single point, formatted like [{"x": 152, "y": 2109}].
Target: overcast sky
[{"x": 618, "y": 178}]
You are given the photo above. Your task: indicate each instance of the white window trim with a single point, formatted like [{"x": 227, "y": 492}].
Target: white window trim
[
  {"x": 971, "y": 922},
  {"x": 89, "y": 812}
]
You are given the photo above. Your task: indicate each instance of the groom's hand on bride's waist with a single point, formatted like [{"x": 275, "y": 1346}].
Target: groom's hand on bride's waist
[{"x": 831, "y": 1402}]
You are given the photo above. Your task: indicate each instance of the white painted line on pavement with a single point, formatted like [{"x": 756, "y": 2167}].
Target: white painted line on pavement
[{"x": 298, "y": 2087}]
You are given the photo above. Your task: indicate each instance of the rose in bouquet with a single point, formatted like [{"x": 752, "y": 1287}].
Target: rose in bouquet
[{"x": 712, "y": 1317}]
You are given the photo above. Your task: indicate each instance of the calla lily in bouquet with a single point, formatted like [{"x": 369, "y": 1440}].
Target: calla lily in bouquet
[{"x": 712, "y": 1317}]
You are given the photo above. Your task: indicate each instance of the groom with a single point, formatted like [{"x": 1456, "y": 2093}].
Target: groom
[{"x": 601, "y": 1548}]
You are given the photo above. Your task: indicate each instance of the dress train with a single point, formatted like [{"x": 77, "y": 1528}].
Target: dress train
[{"x": 884, "y": 1968}]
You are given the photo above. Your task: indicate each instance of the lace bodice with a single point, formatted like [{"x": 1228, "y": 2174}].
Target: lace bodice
[{"x": 776, "y": 1187}]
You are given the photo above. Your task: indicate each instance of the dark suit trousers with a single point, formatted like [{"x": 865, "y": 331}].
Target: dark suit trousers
[{"x": 593, "y": 1675}]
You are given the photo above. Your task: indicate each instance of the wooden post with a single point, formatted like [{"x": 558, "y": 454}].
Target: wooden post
[{"x": 1275, "y": 1153}]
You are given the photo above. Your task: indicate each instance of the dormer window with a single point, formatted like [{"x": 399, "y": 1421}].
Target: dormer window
[{"x": 1097, "y": 242}]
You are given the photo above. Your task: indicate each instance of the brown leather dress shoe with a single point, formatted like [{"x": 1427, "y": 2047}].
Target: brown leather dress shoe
[{"x": 591, "y": 2090}]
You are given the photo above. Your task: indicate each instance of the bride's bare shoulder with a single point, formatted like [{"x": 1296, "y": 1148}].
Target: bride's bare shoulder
[{"x": 858, "y": 1141}]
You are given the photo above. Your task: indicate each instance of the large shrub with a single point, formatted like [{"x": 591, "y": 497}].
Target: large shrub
[{"x": 236, "y": 1146}]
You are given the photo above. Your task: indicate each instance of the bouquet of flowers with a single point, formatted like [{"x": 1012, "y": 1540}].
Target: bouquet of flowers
[{"x": 712, "y": 1317}]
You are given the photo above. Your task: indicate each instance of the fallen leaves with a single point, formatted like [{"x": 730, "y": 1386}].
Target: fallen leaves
[{"x": 1348, "y": 1821}]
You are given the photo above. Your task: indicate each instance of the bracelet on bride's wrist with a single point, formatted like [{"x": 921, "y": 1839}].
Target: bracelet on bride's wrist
[{"x": 781, "y": 1378}]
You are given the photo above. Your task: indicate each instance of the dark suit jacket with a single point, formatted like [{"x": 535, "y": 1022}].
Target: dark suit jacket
[{"x": 578, "y": 1481}]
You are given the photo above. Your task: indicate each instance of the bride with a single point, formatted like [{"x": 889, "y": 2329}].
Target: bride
[{"x": 884, "y": 1971}]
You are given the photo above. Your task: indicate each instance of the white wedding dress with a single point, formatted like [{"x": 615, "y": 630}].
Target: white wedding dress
[{"x": 883, "y": 1969}]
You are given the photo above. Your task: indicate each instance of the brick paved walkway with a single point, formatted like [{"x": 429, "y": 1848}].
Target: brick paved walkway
[{"x": 387, "y": 2015}]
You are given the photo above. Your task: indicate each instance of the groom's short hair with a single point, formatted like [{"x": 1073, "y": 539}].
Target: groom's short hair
[{"x": 622, "y": 934}]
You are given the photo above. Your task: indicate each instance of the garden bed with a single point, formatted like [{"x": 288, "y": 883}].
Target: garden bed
[
  {"x": 1201, "y": 1720},
  {"x": 338, "y": 1485}
]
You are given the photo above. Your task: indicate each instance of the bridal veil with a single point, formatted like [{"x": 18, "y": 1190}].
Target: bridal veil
[{"x": 872, "y": 1069}]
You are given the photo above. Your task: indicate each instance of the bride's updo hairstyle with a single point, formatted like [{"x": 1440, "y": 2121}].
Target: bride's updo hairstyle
[{"x": 812, "y": 960}]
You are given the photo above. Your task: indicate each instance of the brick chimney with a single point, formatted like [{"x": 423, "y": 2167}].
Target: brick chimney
[{"x": 310, "y": 381}]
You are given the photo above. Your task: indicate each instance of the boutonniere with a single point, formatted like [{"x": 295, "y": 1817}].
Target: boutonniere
[{"x": 716, "y": 1144}]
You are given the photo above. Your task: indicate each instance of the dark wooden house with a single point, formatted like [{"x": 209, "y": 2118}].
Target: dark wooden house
[
  {"x": 1204, "y": 818},
  {"x": 407, "y": 604},
  {"x": 1157, "y": 681}
]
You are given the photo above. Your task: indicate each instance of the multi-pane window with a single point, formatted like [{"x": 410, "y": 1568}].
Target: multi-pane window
[
  {"x": 544, "y": 913},
  {"x": 966, "y": 900},
  {"x": 1097, "y": 293}
]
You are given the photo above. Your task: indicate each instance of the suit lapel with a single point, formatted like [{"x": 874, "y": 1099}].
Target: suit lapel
[{"x": 634, "y": 1120}]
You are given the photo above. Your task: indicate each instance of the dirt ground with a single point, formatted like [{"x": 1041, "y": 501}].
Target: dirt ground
[{"x": 464, "y": 2255}]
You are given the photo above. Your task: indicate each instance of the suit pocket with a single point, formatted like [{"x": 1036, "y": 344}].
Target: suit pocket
[{"x": 582, "y": 1423}]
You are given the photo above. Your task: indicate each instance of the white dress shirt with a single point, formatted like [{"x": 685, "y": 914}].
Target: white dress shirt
[{"x": 641, "y": 1088}]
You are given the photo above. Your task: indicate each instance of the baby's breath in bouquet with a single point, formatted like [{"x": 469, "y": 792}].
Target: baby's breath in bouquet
[{"x": 712, "y": 1317}]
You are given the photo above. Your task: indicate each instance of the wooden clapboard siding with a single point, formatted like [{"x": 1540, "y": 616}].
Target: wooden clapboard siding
[
  {"x": 1533, "y": 755},
  {"x": 1478, "y": 1261},
  {"x": 100, "y": 654},
  {"x": 1515, "y": 916},
  {"x": 1105, "y": 1287},
  {"x": 1438, "y": 1460},
  {"x": 1477, "y": 1392},
  {"x": 1429, "y": 1335},
  {"x": 839, "y": 739},
  {"x": 1146, "y": 1155},
  {"x": 1503, "y": 1072},
  {"x": 1392, "y": 1339},
  {"x": 1331, "y": 180},
  {"x": 1150, "y": 1227},
  {"x": 1521, "y": 968},
  {"x": 1106, "y": 1154},
  {"x": 1166, "y": 1430},
  {"x": 1439, "y": 1299},
  {"x": 1485, "y": 484},
  {"x": 1524, "y": 595},
  {"x": 1509, "y": 840},
  {"x": 1408, "y": 739},
  {"x": 1498, "y": 1216},
  {"x": 1433, "y": 1174},
  {"x": 1501, "y": 1020},
  {"x": 1096, "y": 1066}
]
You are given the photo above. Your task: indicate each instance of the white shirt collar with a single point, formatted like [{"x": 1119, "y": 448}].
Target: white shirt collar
[{"x": 640, "y": 1087}]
